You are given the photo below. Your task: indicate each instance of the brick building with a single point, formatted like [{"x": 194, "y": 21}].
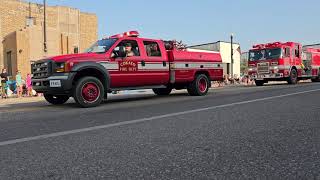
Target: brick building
[{"x": 22, "y": 34}]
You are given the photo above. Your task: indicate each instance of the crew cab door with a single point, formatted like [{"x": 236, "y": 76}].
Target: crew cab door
[
  {"x": 155, "y": 65},
  {"x": 128, "y": 74},
  {"x": 296, "y": 58}
]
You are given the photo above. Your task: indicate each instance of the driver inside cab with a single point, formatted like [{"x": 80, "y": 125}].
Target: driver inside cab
[{"x": 128, "y": 50}]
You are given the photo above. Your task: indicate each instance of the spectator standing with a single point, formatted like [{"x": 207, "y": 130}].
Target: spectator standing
[
  {"x": 4, "y": 79},
  {"x": 28, "y": 85},
  {"x": 19, "y": 84}
]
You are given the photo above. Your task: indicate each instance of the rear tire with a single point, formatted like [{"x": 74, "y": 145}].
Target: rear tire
[
  {"x": 315, "y": 80},
  {"x": 293, "y": 78},
  {"x": 259, "y": 82},
  {"x": 88, "y": 92},
  {"x": 56, "y": 99},
  {"x": 162, "y": 91},
  {"x": 199, "y": 86}
]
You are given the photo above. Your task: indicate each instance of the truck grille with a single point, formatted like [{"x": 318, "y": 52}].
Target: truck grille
[
  {"x": 41, "y": 69},
  {"x": 263, "y": 68}
]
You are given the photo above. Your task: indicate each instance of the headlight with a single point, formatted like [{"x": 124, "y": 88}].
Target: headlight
[
  {"x": 275, "y": 67},
  {"x": 60, "y": 67}
]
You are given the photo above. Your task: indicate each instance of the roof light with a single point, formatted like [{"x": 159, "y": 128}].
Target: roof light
[
  {"x": 116, "y": 36},
  {"x": 126, "y": 34},
  {"x": 131, "y": 33}
]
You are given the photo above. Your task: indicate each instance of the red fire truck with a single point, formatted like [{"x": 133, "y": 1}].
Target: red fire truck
[
  {"x": 283, "y": 62},
  {"x": 125, "y": 62}
]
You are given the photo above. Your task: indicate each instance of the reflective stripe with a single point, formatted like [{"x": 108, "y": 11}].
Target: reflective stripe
[
  {"x": 196, "y": 65},
  {"x": 158, "y": 66},
  {"x": 110, "y": 66}
]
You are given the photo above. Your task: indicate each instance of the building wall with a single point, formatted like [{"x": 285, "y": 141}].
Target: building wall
[
  {"x": 10, "y": 46},
  {"x": 88, "y": 30},
  {"x": 225, "y": 50},
  {"x": 67, "y": 28}
]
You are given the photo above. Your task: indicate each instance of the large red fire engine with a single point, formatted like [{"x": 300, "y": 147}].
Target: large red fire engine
[
  {"x": 283, "y": 62},
  {"x": 125, "y": 62}
]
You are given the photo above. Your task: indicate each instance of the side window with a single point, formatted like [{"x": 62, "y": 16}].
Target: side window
[
  {"x": 152, "y": 49},
  {"x": 287, "y": 52},
  {"x": 126, "y": 48},
  {"x": 297, "y": 52},
  {"x": 293, "y": 53}
]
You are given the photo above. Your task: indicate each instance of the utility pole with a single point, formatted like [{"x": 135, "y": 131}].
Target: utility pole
[
  {"x": 44, "y": 27},
  {"x": 231, "y": 37},
  {"x": 29, "y": 10}
]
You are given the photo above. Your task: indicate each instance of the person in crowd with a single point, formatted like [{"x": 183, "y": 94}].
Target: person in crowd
[
  {"x": 4, "y": 79},
  {"x": 19, "y": 84},
  {"x": 29, "y": 85},
  {"x": 225, "y": 79},
  {"x": 236, "y": 79}
]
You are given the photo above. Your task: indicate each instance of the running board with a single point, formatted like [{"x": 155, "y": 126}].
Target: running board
[{"x": 137, "y": 88}]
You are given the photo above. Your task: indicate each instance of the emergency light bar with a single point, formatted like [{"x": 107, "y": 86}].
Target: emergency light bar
[
  {"x": 258, "y": 46},
  {"x": 126, "y": 34}
]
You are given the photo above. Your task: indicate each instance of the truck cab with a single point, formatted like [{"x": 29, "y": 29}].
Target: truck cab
[
  {"x": 275, "y": 62},
  {"x": 125, "y": 62}
]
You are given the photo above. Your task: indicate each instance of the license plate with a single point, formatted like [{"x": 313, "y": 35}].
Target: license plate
[{"x": 55, "y": 83}]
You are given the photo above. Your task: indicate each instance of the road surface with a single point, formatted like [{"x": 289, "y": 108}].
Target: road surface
[{"x": 269, "y": 132}]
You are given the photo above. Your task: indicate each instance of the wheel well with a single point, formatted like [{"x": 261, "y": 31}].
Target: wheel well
[
  {"x": 205, "y": 73},
  {"x": 293, "y": 67},
  {"x": 202, "y": 72},
  {"x": 94, "y": 73}
]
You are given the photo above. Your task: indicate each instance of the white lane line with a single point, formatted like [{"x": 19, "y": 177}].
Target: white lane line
[{"x": 63, "y": 133}]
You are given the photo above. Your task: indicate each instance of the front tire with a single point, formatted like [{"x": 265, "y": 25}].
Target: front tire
[
  {"x": 293, "y": 78},
  {"x": 162, "y": 91},
  {"x": 56, "y": 99},
  {"x": 199, "y": 86},
  {"x": 88, "y": 92},
  {"x": 259, "y": 82}
]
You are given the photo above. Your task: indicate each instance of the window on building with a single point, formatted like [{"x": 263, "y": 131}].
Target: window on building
[
  {"x": 30, "y": 21},
  {"x": 9, "y": 63},
  {"x": 152, "y": 49}
]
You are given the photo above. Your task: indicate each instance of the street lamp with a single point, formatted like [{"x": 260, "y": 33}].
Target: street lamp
[
  {"x": 44, "y": 27},
  {"x": 231, "y": 37}
]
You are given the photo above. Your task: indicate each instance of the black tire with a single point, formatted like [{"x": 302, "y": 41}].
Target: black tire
[
  {"x": 259, "y": 82},
  {"x": 56, "y": 99},
  {"x": 162, "y": 91},
  {"x": 315, "y": 80},
  {"x": 293, "y": 78},
  {"x": 94, "y": 95},
  {"x": 194, "y": 88}
]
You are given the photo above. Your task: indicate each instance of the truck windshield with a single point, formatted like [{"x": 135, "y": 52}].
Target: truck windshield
[
  {"x": 101, "y": 46},
  {"x": 263, "y": 54}
]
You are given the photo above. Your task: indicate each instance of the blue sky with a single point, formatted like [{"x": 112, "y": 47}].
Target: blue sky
[{"x": 202, "y": 21}]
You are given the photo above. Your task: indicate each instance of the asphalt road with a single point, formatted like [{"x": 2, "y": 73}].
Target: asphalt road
[{"x": 269, "y": 132}]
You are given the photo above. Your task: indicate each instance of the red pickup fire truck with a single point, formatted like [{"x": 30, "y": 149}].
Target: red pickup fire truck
[
  {"x": 283, "y": 62},
  {"x": 125, "y": 62}
]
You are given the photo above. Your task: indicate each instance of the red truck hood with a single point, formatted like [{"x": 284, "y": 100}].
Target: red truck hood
[{"x": 82, "y": 56}]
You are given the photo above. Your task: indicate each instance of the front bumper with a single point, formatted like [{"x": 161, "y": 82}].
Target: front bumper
[
  {"x": 267, "y": 76},
  {"x": 46, "y": 85}
]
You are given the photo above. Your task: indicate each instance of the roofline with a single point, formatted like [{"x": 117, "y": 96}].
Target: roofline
[
  {"x": 318, "y": 44},
  {"x": 213, "y": 43},
  {"x": 56, "y": 6}
]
